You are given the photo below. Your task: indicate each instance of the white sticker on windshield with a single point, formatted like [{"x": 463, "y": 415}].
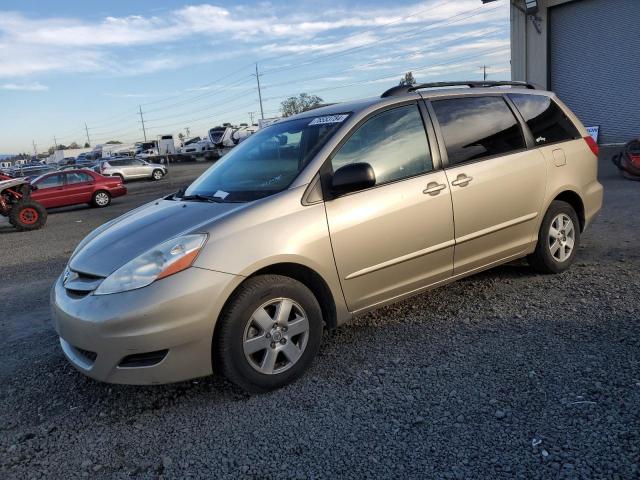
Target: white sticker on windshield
[
  {"x": 221, "y": 194},
  {"x": 329, "y": 119}
]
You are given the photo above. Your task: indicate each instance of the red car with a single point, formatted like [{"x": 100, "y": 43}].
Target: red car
[{"x": 74, "y": 187}]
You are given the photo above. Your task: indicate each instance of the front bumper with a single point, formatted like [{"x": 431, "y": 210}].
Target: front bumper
[{"x": 177, "y": 314}]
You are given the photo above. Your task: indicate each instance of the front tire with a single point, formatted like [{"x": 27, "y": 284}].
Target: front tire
[
  {"x": 28, "y": 215},
  {"x": 268, "y": 334},
  {"x": 157, "y": 174},
  {"x": 558, "y": 239}
]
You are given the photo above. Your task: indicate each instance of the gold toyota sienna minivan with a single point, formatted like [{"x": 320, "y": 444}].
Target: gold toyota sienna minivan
[{"x": 322, "y": 216}]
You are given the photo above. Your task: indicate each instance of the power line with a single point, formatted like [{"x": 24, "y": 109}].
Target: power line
[
  {"x": 417, "y": 30},
  {"x": 244, "y": 67},
  {"x": 207, "y": 107},
  {"x": 407, "y": 34}
]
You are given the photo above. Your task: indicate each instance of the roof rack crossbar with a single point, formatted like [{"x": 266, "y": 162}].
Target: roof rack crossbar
[{"x": 402, "y": 89}]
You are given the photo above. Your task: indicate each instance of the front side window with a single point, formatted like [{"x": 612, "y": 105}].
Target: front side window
[
  {"x": 50, "y": 181},
  {"x": 393, "y": 142},
  {"x": 546, "y": 120},
  {"x": 267, "y": 162},
  {"x": 477, "y": 127}
]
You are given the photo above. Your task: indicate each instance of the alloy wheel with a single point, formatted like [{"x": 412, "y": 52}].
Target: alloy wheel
[
  {"x": 102, "y": 199},
  {"x": 562, "y": 237},
  {"x": 276, "y": 336}
]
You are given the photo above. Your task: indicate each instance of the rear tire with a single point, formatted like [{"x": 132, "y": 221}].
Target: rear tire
[
  {"x": 268, "y": 334},
  {"x": 101, "y": 199},
  {"x": 558, "y": 239},
  {"x": 28, "y": 215}
]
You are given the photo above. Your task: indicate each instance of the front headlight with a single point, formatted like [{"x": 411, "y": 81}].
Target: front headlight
[{"x": 168, "y": 258}]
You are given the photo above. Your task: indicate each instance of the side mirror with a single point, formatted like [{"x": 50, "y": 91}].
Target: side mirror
[{"x": 353, "y": 177}]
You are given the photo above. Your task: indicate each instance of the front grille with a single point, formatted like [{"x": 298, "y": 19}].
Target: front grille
[{"x": 147, "y": 359}]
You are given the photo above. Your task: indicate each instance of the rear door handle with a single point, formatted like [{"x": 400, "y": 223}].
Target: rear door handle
[
  {"x": 434, "y": 188},
  {"x": 462, "y": 180}
]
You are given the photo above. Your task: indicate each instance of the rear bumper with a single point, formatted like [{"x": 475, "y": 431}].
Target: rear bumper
[
  {"x": 592, "y": 199},
  {"x": 118, "y": 191},
  {"x": 177, "y": 314}
]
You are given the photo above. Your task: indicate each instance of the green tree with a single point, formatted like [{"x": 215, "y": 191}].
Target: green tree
[
  {"x": 114, "y": 142},
  {"x": 407, "y": 79},
  {"x": 299, "y": 104},
  {"x": 86, "y": 145}
]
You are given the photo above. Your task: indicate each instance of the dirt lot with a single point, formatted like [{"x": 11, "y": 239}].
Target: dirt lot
[{"x": 503, "y": 375}]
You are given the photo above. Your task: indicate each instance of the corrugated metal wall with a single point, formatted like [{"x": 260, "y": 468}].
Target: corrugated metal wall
[{"x": 595, "y": 64}]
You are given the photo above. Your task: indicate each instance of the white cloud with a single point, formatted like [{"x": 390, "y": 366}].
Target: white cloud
[
  {"x": 120, "y": 44},
  {"x": 30, "y": 87}
]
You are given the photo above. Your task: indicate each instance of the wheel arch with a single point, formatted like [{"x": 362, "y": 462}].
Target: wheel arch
[
  {"x": 573, "y": 199},
  {"x": 305, "y": 275}
]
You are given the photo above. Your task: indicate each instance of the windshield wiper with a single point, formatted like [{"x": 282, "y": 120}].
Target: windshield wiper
[{"x": 202, "y": 198}]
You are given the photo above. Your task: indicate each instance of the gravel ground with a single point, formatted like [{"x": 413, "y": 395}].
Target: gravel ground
[{"x": 505, "y": 374}]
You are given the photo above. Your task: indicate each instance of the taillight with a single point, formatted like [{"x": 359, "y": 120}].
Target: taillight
[{"x": 592, "y": 144}]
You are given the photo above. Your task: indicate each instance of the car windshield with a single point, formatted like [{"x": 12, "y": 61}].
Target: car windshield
[{"x": 267, "y": 162}]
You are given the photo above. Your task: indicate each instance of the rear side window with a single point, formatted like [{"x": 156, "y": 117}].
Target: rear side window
[
  {"x": 477, "y": 127},
  {"x": 77, "y": 177},
  {"x": 546, "y": 120},
  {"x": 393, "y": 142}
]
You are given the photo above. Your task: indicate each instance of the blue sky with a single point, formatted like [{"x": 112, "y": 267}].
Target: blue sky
[{"x": 65, "y": 63}]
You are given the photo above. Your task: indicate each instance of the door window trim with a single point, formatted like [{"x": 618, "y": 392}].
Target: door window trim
[
  {"x": 444, "y": 155},
  {"x": 326, "y": 170}
]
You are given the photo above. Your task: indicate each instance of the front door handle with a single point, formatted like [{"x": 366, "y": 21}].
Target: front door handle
[
  {"x": 434, "y": 188},
  {"x": 462, "y": 180}
]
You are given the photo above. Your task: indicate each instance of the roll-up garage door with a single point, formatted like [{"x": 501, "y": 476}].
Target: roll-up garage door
[{"x": 594, "y": 47}]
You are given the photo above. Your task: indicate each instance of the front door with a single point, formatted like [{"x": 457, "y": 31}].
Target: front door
[
  {"x": 497, "y": 185},
  {"x": 397, "y": 236},
  {"x": 50, "y": 190}
]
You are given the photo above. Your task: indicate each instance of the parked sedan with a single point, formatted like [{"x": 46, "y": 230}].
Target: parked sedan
[
  {"x": 132, "y": 168},
  {"x": 75, "y": 187}
]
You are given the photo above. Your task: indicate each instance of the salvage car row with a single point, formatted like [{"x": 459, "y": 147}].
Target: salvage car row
[{"x": 26, "y": 192}]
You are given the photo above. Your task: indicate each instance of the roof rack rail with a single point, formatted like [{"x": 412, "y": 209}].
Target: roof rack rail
[{"x": 402, "y": 89}]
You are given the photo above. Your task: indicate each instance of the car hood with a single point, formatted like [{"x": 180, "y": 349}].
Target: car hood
[{"x": 140, "y": 230}]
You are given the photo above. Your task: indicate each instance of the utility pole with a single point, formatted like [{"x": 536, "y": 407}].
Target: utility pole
[
  {"x": 142, "y": 120},
  {"x": 251, "y": 116},
  {"x": 55, "y": 143},
  {"x": 35, "y": 149},
  {"x": 259, "y": 92},
  {"x": 187, "y": 131},
  {"x": 484, "y": 72},
  {"x": 87, "y": 130}
]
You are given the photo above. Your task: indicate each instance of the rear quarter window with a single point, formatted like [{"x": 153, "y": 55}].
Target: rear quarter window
[{"x": 546, "y": 120}]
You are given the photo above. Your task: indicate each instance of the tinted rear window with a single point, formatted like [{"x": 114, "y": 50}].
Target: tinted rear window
[
  {"x": 546, "y": 120},
  {"x": 477, "y": 127}
]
